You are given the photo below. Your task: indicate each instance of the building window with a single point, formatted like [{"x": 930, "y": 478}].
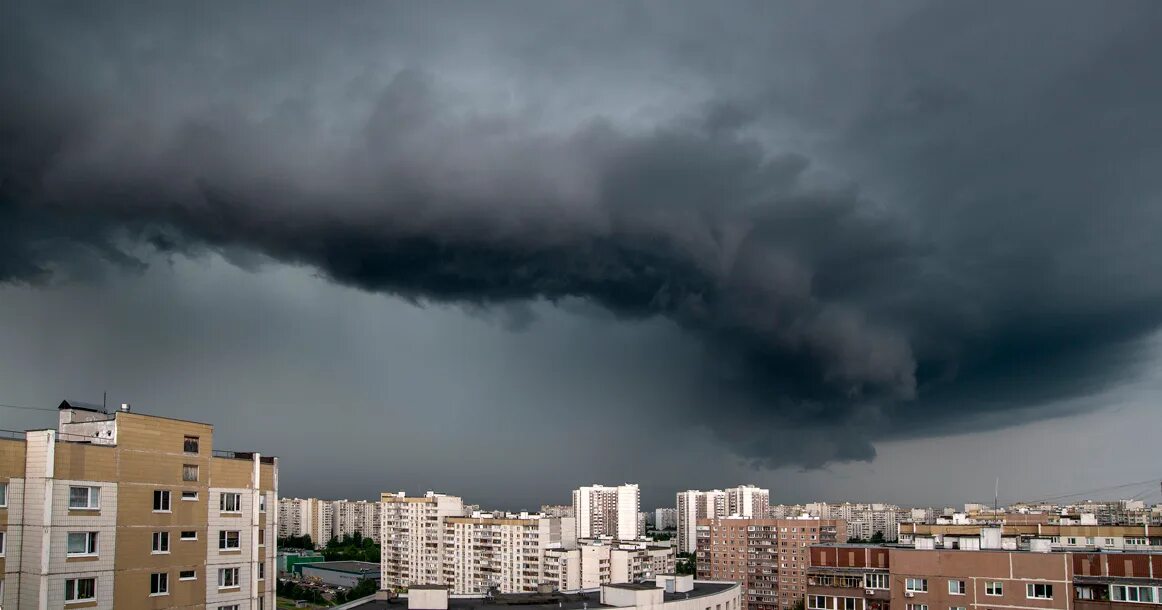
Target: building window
[
  {"x": 262, "y": 503},
  {"x": 261, "y": 603},
  {"x": 85, "y": 498},
  {"x": 956, "y": 587},
  {"x": 230, "y": 607},
  {"x": 3, "y": 542},
  {"x": 228, "y": 578},
  {"x": 261, "y": 570},
  {"x": 261, "y": 536},
  {"x": 190, "y": 496},
  {"x": 875, "y": 581},
  {"x": 817, "y": 602},
  {"x": 957, "y": 608},
  {"x": 230, "y": 502},
  {"x": 161, "y": 501},
  {"x": 1134, "y": 541},
  {"x": 1127, "y": 593},
  {"x": 159, "y": 583},
  {"x": 917, "y": 606},
  {"x": 187, "y": 575},
  {"x": 1089, "y": 540},
  {"x": 1109, "y": 541},
  {"x": 228, "y": 540},
  {"x": 1084, "y": 592},
  {"x": 189, "y": 472},
  {"x": 190, "y": 445},
  {"x": 81, "y": 544},
  {"x": 161, "y": 542},
  {"x": 1038, "y": 591},
  {"x": 189, "y": 535},
  {"x": 3, "y": 495},
  {"x": 916, "y": 585},
  {"x": 80, "y": 589}
]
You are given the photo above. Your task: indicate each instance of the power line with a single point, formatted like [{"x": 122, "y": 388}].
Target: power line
[
  {"x": 28, "y": 408},
  {"x": 1095, "y": 490}
]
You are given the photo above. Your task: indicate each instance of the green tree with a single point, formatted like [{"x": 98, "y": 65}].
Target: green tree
[
  {"x": 877, "y": 538},
  {"x": 687, "y": 564},
  {"x": 798, "y": 605}
]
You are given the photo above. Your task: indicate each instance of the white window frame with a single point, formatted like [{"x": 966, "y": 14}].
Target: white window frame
[
  {"x": 224, "y": 502},
  {"x": 262, "y": 503},
  {"x": 917, "y": 606},
  {"x": 1031, "y": 590},
  {"x": 160, "y": 543},
  {"x": 3, "y": 546},
  {"x": 3, "y": 494},
  {"x": 92, "y": 544},
  {"x": 877, "y": 580},
  {"x": 182, "y": 536},
  {"x": 72, "y": 587},
  {"x": 236, "y": 580},
  {"x": 189, "y": 496},
  {"x": 1136, "y": 597},
  {"x": 994, "y": 588},
  {"x": 224, "y": 540},
  {"x": 230, "y": 607},
  {"x": 910, "y": 583},
  {"x": 185, "y": 578},
  {"x": 159, "y": 584},
  {"x": 92, "y": 499},
  {"x": 958, "y": 585},
  {"x": 168, "y": 501}
]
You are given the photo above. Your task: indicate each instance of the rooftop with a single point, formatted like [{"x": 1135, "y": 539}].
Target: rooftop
[
  {"x": 350, "y": 567},
  {"x": 549, "y": 601}
]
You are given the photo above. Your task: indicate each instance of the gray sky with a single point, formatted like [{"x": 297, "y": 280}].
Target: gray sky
[{"x": 848, "y": 252}]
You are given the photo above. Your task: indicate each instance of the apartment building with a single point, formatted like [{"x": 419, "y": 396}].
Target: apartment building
[
  {"x": 127, "y": 510},
  {"x": 768, "y": 556},
  {"x": 607, "y": 511},
  {"x": 557, "y": 510},
  {"x": 505, "y": 552},
  {"x": 865, "y": 577},
  {"x": 666, "y": 518},
  {"x": 693, "y": 505},
  {"x": 598, "y": 562},
  {"x": 748, "y": 501},
  {"x": 294, "y": 517},
  {"x": 1059, "y": 537},
  {"x": 361, "y": 517},
  {"x": 412, "y": 532}
]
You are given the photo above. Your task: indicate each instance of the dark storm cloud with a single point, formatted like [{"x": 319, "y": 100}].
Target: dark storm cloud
[{"x": 998, "y": 255}]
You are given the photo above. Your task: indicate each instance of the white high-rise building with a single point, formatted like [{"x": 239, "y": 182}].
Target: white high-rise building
[
  {"x": 599, "y": 562},
  {"x": 607, "y": 511},
  {"x": 294, "y": 517},
  {"x": 357, "y": 516},
  {"x": 504, "y": 551},
  {"x": 748, "y": 501},
  {"x": 665, "y": 518},
  {"x": 412, "y": 533},
  {"x": 692, "y": 506}
]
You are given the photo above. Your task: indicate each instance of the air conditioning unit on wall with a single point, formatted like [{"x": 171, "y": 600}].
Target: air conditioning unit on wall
[{"x": 909, "y": 594}]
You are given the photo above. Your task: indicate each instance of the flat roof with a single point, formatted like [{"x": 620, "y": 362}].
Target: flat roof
[
  {"x": 547, "y": 601},
  {"x": 350, "y": 567}
]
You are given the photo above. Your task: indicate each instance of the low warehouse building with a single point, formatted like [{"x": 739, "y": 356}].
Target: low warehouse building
[{"x": 341, "y": 573}]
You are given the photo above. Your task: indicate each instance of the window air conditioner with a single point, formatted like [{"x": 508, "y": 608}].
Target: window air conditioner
[{"x": 909, "y": 594}]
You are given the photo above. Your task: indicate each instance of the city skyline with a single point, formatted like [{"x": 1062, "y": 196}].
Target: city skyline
[{"x": 892, "y": 251}]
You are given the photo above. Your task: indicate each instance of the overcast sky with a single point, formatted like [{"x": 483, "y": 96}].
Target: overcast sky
[{"x": 881, "y": 251}]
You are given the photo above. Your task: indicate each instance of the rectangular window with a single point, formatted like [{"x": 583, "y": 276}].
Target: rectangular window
[
  {"x": 957, "y": 608},
  {"x": 85, "y": 498},
  {"x": 916, "y": 585},
  {"x": 81, "y": 544},
  {"x": 227, "y": 578},
  {"x": 190, "y": 444},
  {"x": 187, "y": 575},
  {"x": 1038, "y": 591},
  {"x": 80, "y": 589},
  {"x": 159, "y": 583},
  {"x": 1089, "y": 540},
  {"x": 262, "y": 503},
  {"x": 1130, "y": 593},
  {"x": 189, "y": 535},
  {"x": 261, "y": 536},
  {"x": 261, "y": 570},
  {"x": 956, "y": 587},
  {"x": 848, "y": 603},
  {"x": 917, "y": 606},
  {"x": 161, "y": 542},
  {"x": 189, "y": 472},
  {"x": 190, "y": 496},
  {"x": 3, "y": 495},
  {"x": 3, "y": 542},
  {"x": 994, "y": 588},
  {"x": 161, "y": 501},
  {"x": 230, "y": 502},
  {"x": 228, "y": 540},
  {"x": 230, "y": 607},
  {"x": 875, "y": 581},
  {"x": 817, "y": 602}
]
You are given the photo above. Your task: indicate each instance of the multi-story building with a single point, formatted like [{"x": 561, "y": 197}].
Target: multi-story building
[
  {"x": 768, "y": 556},
  {"x": 505, "y": 552},
  {"x": 127, "y": 510},
  {"x": 294, "y": 517},
  {"x": 1059, "y": 537},
  {"x": 412, "y": 533},
  {"x": 666, "y": 518},
  {"x": 557, "y": 510},
  {"x": 748, "y": 501},
  {"x": 361, "y": 517},
  {"x": 693, "y": 505},
  {"x": 980, "y": 575},
  {"x": 643, "y": 523},
  {"x": 597, "y": 562},
  {"x": 322, "y": 521},
  {"x": 607, "y": 511}
]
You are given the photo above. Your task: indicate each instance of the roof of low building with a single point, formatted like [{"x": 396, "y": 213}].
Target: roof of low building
[
  {"x": 546, "y": 601},
  {"x": 351, "y": 567}
]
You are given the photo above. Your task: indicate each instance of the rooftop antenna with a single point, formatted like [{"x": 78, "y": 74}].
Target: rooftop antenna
[
  {"x": 104, "y": 400},
  {"x": 996, "y": 493}
]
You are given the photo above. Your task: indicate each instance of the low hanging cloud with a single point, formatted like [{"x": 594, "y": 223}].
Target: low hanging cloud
[{"x": 995, "y": 276}]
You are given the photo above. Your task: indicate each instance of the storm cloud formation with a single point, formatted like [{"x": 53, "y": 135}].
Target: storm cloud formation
[{"x": 879, "y": 222}]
